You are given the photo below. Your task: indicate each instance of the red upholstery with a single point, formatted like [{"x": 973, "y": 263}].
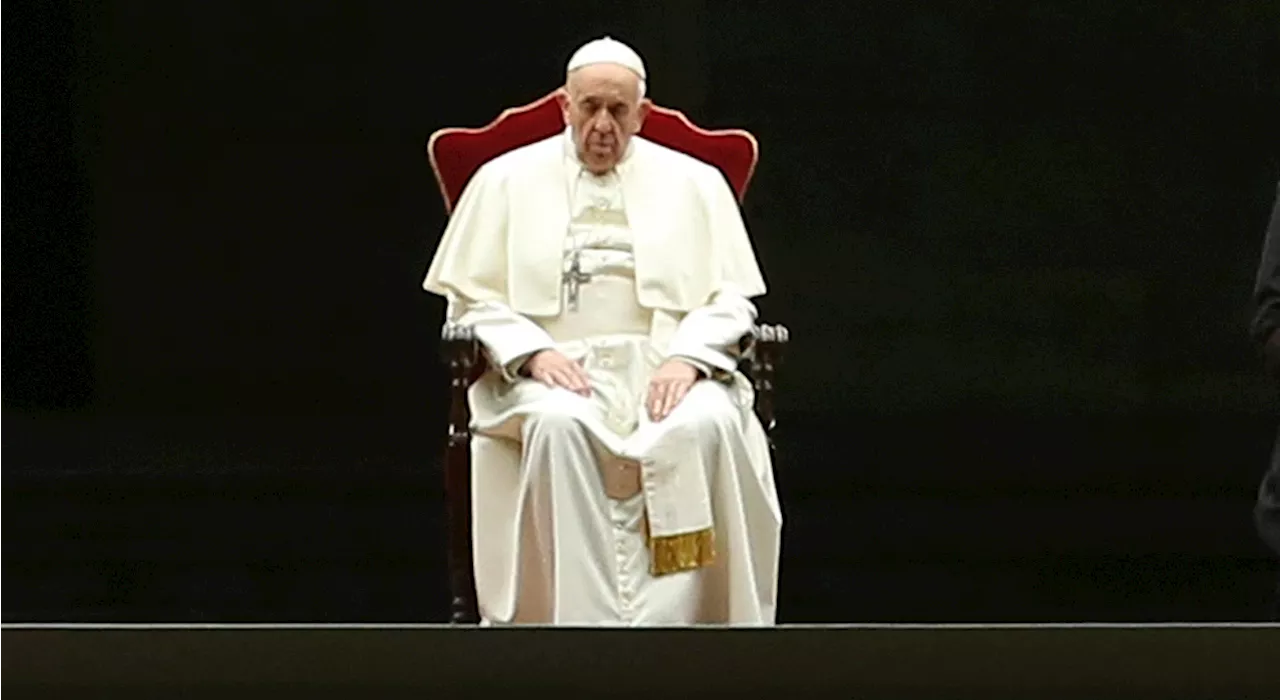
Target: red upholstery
[{"x": 456, "y": 153}]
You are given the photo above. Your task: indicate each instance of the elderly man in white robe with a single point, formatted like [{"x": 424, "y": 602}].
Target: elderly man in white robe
[{"x": 620, "y": 475}]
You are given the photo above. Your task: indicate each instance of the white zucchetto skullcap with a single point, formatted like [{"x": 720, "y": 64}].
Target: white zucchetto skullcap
[{"x": 607, "y": 50}]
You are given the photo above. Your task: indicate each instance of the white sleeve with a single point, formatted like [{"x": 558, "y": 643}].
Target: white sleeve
[
  {"x": 710, "y": 334},
  {"x": 507, "y": 336}
]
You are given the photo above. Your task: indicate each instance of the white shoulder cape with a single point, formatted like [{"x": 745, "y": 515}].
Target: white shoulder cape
[{"x": 504, "y": 241}]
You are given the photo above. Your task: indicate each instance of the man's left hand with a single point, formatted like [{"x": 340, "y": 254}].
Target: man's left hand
[{"x": 668, "y": 387}]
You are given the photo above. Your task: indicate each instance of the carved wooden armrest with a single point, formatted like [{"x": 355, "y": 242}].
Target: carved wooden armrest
[
  {"x": 763, "y": 350},
  {"x": 462, "y": 355}
]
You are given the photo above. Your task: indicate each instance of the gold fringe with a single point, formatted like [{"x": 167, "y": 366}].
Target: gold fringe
[{"x": 673, "y": 553}]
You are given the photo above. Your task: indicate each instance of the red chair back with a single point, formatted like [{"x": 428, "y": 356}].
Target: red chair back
[{"x": 457, "y": 153}]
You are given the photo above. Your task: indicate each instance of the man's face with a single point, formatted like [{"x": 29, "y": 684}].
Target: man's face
[{"x": 602, "y": 105}]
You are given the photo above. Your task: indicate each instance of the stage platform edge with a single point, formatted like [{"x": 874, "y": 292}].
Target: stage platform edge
[{"x": 898, "y": 661}]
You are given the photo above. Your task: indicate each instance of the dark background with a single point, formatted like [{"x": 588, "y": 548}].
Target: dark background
[{"x": 1014, "y": 245}]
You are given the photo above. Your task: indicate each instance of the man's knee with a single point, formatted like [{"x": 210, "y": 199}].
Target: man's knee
[
  {"x": 706, "y": 413},
  {"x": 553, "y": 423}
]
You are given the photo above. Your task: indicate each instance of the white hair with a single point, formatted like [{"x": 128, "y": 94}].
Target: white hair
[{"x": 640, "y": 82}]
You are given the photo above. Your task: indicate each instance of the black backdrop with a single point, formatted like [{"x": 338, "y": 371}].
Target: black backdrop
[{"x": 1014, "y": 244}]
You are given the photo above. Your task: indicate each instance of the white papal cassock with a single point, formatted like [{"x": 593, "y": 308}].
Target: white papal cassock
[{"x": 585, "y": 511}]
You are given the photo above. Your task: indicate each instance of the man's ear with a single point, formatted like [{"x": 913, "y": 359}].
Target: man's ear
[
  {"x": 562, "y": 99},
  {"x": 642, "y": 113}
]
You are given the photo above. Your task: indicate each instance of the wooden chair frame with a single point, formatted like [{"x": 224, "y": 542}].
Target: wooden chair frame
[{"x": 762, "y": 349}]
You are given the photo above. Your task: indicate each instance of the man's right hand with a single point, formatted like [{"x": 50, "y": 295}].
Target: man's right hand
[{"x": 552, "y": 368}]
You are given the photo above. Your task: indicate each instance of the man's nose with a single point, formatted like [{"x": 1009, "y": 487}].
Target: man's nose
[{"x": 602, "y": 122}]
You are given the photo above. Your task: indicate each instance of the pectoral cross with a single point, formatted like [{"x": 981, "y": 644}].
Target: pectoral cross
[{"x": 574, "y": 278}]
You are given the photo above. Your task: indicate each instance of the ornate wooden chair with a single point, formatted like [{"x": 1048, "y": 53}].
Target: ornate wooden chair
[{"x": 455, "y": 155}]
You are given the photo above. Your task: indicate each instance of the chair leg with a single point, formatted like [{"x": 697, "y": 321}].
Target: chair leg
[
  {"x": 462, "y": 355},
  {"x": 457, "y": 477}
]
